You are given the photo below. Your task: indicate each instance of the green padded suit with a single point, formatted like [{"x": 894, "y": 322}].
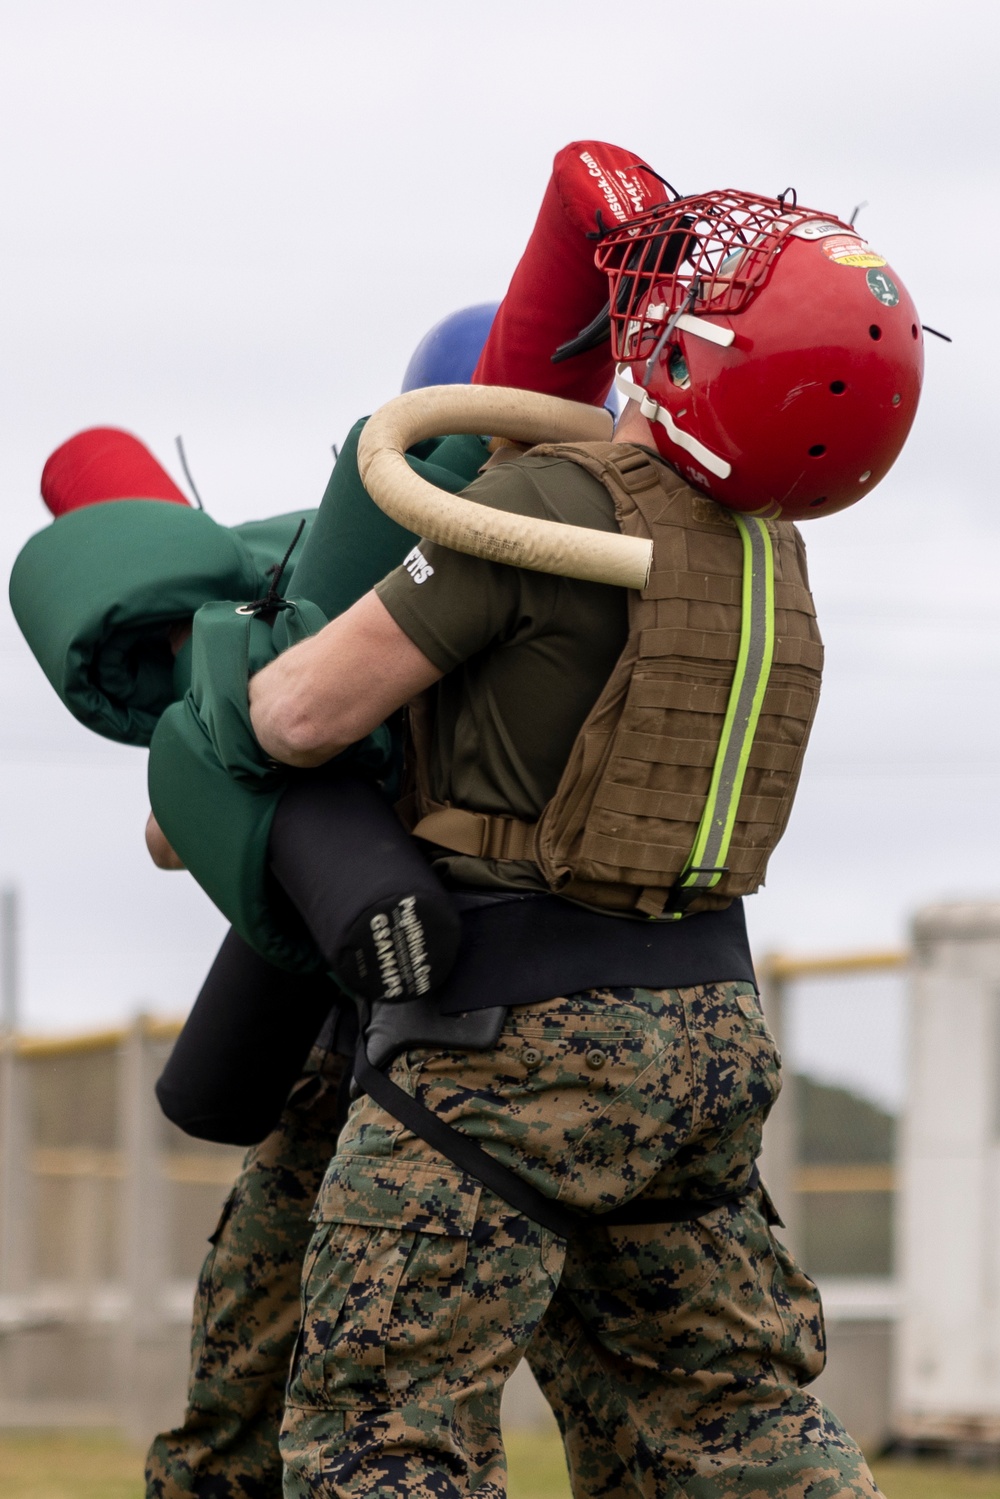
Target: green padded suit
[{"x": 95, "y": 594}]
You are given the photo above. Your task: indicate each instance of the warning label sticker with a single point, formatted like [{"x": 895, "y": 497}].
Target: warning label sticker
[
  {"x": 848, "y": 251},
  {"x": 816, "y": 229}
]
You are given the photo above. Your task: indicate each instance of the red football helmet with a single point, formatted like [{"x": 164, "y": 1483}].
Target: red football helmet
[{"x": 777, "y": 355}]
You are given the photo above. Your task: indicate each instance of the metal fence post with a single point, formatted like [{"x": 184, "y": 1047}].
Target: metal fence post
[
  {"x": 10, "y": 964},
  {"x": 16, "y": 1216},
  {"x": 144, "y": 1228},
  {"x": 948, "y": 1365},
  {"x": 779, "y": 1157}
]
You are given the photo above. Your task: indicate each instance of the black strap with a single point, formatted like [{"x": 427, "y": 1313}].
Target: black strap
[
  {"x": 511, "y": 1188},
  {"x": 463, "y": 1152}
]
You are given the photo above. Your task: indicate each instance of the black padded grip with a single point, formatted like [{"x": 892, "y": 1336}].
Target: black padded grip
[
  {"x": 244, "y": 1046},
  {"x": 379, "y": 915}
]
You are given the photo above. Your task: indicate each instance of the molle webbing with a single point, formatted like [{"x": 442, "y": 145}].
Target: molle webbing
[{"x": 680, "y": 782}]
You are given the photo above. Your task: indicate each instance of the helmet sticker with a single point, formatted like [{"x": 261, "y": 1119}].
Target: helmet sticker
[
  {"x": 883, "y": 288},
  {"x": 847, "y": 251},
  {"x": 817, "y": 229}
]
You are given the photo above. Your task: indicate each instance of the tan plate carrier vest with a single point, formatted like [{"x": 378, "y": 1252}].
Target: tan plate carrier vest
[{"x": 680, "y": 782}]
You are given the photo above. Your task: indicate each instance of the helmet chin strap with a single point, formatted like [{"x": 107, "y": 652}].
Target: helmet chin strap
[{"x": 654, "y": 412}]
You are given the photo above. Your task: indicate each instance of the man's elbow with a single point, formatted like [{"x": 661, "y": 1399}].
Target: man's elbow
[
  {"x": 289, "y": 730},
  {"x": 302, "y": 746}
]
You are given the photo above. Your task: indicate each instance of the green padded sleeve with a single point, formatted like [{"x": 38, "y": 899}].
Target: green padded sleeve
[
  {"x": 95, "y": 591},
  {"x": 228, "y": 647},
  {"x": 220, "y": 826},
  {"x": 353, "y": 543},
  {"x": 212, "y": 789}
]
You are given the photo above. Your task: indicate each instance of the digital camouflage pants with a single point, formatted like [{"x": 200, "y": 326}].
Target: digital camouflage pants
[{"x": 674, "y": 1355}]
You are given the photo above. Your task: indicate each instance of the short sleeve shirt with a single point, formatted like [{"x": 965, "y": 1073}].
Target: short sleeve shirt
[{"x": 526, "y": 654}]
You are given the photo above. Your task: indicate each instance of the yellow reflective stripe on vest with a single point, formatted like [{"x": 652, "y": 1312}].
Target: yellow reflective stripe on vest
[{"x": 706, "y": 862}]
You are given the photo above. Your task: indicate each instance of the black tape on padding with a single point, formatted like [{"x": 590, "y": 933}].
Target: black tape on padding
[
  {"x": 398, "y": 952},
  {"x": 383, "y": 921},
  {"x": 244, "y": 1045}
]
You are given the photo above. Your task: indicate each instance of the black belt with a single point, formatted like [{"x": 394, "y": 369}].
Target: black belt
[{"x": 511, "y": 1188}]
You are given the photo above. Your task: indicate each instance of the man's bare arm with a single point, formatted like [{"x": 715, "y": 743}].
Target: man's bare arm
[{"x": 333, "y": 689}]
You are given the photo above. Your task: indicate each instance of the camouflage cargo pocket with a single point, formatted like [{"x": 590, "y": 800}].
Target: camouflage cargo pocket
[
  {"x": 800, "y": 1308},
  {"x": 383, "y": 1280},
  {"x": 206, "y": 1293}
]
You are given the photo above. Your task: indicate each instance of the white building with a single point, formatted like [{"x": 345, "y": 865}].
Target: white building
[{"x": 947, "y": 1375}]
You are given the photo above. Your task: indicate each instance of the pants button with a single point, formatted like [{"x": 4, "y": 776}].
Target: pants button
[
  {"x": 596, "y": 1058},
  {"x": 531, "y": 1056}
]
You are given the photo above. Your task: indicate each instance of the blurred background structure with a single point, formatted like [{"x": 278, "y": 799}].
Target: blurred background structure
[
  {"x": 235, "y": 221},
  {"x": 105, "y": 1210}
]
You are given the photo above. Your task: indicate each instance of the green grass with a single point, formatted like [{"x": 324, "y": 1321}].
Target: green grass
[
  {"x": 536, "y": 1468},
  {"x": 75, "y": 1465},
  {"x": 929, "y": 1480},
  {"x": 68, "y": 1465}
]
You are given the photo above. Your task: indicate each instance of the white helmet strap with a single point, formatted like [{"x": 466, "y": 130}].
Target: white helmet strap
[{"x": 654, "y": 412}]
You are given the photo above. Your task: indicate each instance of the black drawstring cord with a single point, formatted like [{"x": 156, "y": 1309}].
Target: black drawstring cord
[
  {"x": 272, "y": 602},
  {"x": 187, "y": 473},
  {"x": 602, "y": 228},
  {"x": 645, "y": 167},
  {"x": 639, "y": 166}
]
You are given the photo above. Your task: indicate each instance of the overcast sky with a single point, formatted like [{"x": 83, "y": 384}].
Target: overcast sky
[{"x": 234, "y": 220}]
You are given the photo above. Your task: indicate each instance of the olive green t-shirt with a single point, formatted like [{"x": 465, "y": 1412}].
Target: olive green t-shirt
[{"x": 526, "y": 655}]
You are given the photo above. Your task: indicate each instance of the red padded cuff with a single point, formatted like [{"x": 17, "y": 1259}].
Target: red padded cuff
[
  {"x": 104, "y": 463},
  {"x": 556, "y": 289}
]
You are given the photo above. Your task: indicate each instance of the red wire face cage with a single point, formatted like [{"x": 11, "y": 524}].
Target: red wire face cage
[{"x": 777, "y": 355}]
